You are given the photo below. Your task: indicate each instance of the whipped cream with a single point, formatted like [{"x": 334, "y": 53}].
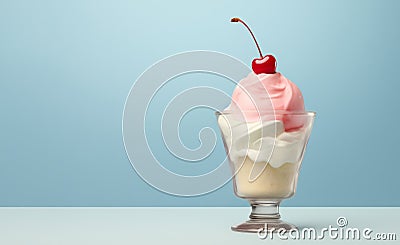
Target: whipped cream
[{"x": 262, "y": 142}]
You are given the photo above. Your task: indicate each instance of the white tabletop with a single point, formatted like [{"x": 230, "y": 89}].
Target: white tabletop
[{"x": 177, "y": 225}]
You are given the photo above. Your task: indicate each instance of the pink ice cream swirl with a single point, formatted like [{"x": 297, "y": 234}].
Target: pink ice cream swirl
[{"x": 270, "y": 97}]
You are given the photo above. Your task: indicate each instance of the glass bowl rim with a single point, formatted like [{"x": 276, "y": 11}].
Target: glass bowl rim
[{"x": 269, "y": 112}]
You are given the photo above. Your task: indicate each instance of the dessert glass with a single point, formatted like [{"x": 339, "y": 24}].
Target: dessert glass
[{"x": 271, "y": 176}]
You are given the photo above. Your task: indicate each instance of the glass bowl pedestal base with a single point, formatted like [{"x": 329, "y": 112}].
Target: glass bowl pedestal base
[{"x": 264, "y": 217}]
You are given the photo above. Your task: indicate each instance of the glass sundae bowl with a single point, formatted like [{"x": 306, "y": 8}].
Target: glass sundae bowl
[{"x": 265, "y": 157}]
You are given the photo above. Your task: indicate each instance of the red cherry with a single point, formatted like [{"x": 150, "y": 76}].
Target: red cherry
[
  {"x": 264, "y": 64},
  {"x": 267, "y": 65}
]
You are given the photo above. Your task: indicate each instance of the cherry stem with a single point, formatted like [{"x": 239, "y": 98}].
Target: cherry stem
[{"x": 248, "y": 28}]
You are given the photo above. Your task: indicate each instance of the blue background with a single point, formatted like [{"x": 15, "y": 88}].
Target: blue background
[{"x": 66, "y": 68}]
